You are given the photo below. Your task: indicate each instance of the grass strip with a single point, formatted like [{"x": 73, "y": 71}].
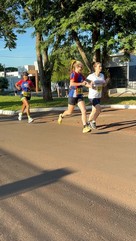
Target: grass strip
[{"x": 14, "y": 103}]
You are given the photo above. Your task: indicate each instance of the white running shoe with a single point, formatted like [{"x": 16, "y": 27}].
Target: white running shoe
[
  {"x": 20, "y": 116},
  {"x": 60, "y": 119},
  {"x": 30, "y": 120},
  {"x": 93, "y": 124}
]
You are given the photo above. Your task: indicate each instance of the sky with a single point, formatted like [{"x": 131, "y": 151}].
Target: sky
[{"x": 24, "y": 54}]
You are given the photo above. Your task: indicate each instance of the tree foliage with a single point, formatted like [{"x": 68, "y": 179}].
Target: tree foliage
[
  {"x": 65, "y": 30},
  {"x": 3, "y": 83},
  {"x": 1, "y": 67},
  {"x": 11, "y": 69},
  {"x": 8, "y": 23}
]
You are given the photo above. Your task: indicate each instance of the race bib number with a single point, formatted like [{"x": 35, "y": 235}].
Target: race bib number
[
  {"x": 79, "y": 91},
  {"x": 99, "y": 88}
]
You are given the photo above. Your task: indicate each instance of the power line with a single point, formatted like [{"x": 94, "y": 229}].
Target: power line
[{"x": 17, "y": 57}]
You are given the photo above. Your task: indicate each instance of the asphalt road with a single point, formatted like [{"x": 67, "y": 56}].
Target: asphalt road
[{"x": 58, "y": 184}]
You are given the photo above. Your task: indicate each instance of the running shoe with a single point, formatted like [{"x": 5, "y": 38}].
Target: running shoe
[
  {"x": 86, "y": 129},
  {"x": 30, "y": 120},
  {"x": 93, "y": 125},
  {"x": 60, "y": 119},
  {"x": 20, "y": 116}
]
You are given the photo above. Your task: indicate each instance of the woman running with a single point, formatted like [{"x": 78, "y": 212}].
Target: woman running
[
  {"x": 25, "y": 86},
  {"x": 95, "y": 85},
  {"x": 75, "y": 96}
]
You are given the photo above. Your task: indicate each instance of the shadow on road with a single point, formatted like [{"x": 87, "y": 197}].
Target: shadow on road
[
  {"x": 31, "y": 183},
  {"x": 117, "y": 126},
  {"x": 12, "y": 166},
  {"x": 61, "y": 211}
]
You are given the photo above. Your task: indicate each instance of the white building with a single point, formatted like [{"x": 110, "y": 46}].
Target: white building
[
  {"x": 122, "y": 73},
  {"x": 13, "y": 77}
]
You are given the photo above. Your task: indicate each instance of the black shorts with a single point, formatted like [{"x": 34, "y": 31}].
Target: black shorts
[
  {"x": 95, "y": 101},
  {"x": 74, "y": 100}
]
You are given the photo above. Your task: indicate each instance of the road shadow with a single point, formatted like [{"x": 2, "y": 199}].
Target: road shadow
[
  {"x": 61, "y": 211},
  {"x": 116, "y": 126},
  {"x": 7, "y": 118},
  {"x": 31, "y": 183},
  {"x": 39, "y": 117},
  {"x": 45, "y": 117}
]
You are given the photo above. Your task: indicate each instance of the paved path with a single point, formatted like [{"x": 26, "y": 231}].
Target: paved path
[{"x": 59, "y": 184}]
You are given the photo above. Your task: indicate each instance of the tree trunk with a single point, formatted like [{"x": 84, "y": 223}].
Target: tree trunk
[
  {"x": 48, "y": 73},
  {"x": 80, "y": 49},
  {"x": 105, "y": 57},
  {"x": 98, "y": 58},
  {"x": 95, "y": 37},
  {"x": 45, "y": 83}
]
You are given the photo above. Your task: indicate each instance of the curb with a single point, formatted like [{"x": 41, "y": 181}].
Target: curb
[
  {"x": 119, "y": 106},
  {"x": 10, "y": 112},
  {"x": 7, "y": 112}
]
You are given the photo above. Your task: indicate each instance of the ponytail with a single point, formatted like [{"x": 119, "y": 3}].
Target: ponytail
[{"x": 73, "y": 64}]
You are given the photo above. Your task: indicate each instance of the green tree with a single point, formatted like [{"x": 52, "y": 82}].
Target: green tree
[
  {"x": 99, "y": 27},
  {"x": 3, "y": 83},
  {"x": 11, "y": 69},
  {"x": 1, "y": 67},
  {"x": 96, "y": 28},
  {"x": 7, "y": 24},
  {"x": 34, "y": 13},
  {"x": 10, "y": 22}
]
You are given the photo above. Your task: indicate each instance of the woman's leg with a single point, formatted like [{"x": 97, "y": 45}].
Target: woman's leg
[
  {"x": 96, "y": 110},
  {"x": 81, "y": 105},
  {"x": 26, "y": 106},
  {"x": 23, "y": 107},
  {"x": 66, "y": 112},
  {"x": 69, "y": 111},
  {"x": 22, "y": 110}
]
